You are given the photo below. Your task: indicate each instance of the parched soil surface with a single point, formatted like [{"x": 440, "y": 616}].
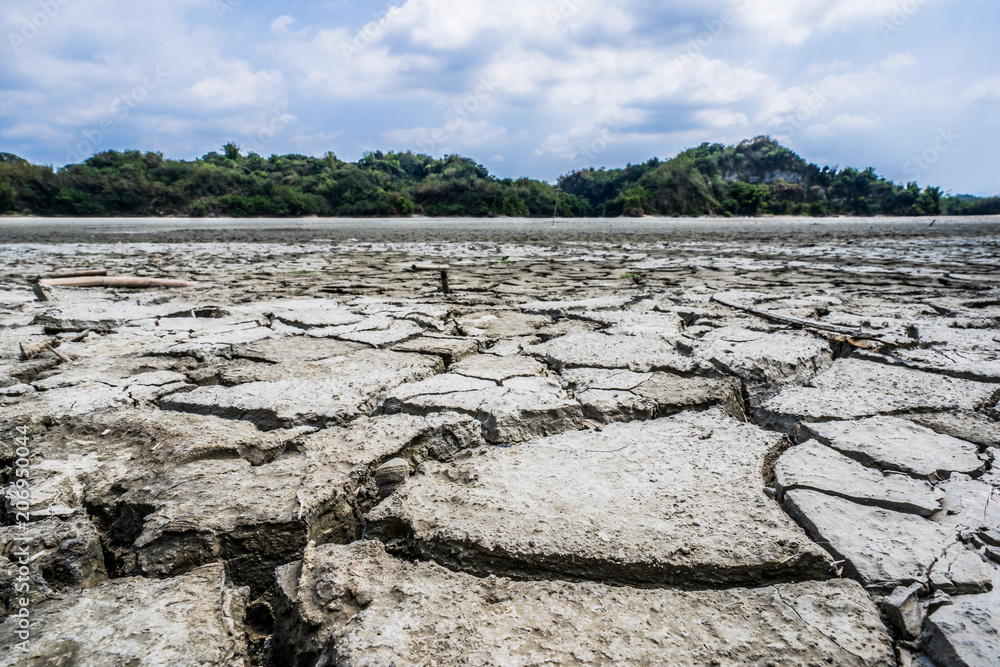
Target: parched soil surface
[{"x": 630, "y": 442}]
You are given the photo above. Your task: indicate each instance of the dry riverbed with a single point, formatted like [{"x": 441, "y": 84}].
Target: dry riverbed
[{"x": 663, "y": 442}]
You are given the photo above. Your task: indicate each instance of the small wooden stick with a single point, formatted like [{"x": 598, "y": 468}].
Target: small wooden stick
[
  {"x": 59, "y": 354},
  {"x": 74, "y": 273},
  {"x": 30, "y": 352},
  {"x": 39, "y": 292},
  {"x": 115, "y": 281}
]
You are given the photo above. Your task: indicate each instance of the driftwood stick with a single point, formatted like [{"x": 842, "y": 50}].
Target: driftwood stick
[
  {"x": 59, "y": 354},
  {"x": 74, "y": 273},
  {"x": 115, "y": 281},
  {"x": 39, "y": 292},
  {"x": 794, "y": 321},
  {"x": 29, "y": 352}
]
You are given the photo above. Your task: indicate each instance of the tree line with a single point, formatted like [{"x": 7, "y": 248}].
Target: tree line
[{"x": 756, "y": 177}]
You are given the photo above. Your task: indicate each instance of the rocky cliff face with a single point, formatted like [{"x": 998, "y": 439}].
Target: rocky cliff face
[{"x": 786, "y": 175}]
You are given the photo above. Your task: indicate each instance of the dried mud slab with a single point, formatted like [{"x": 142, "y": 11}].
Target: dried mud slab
[
  {"x": 195, "y": 619},
  {"x": 886, "y": 549},
  {"x": 615, "y": 396},
  {"x": 512, "y": 410},
  {"x": 501, "y": 324},
  {"x": 636, "y": 321},
  {"x": 890, "y": 443},
  {"x": 766, "y": 362},
  {"x": 675, "y": 501},
  {"x": 172, "y": 491},
  {"x": 499, "y": 369},
  {"x": 819, "y": 468},
  {"x": 854, "y": 389},
  {"x": 351, "y": 389},
  {"x": 611, "y": 302},
  {"x": 59, "y": 554},
  {"x": 973, "y": 427},
  {"x": 256, "y": 518},
  {"x": 309, "y": 313},
  {"x": 97, "y": 457},
  {"x": 966, "y": 633},
  {"x": 970, "y": 504},
  {"x": 450, "y": 349},
  {"x": 90, "y": 386},
  {"x": 273, "y": 360},
  {"x": 252, "y": 518},
  {"x": 961, "y": 352},
  {"x": 355, "y": 605},
  {"x": 641, "y": 354}
]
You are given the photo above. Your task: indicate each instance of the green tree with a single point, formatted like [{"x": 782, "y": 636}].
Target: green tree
[
  {"x": 404, "y": 206},
  {"x": 6, "y": 196},
  {"x": 634, "y": 201},
  {"x": 232, "y": 151},
  {"x": 748, "y": 198},
  {"x": 930, "y": 201}
]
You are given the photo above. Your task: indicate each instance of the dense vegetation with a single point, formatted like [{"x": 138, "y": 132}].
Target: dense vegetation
[{"x": 758, "y": 177}]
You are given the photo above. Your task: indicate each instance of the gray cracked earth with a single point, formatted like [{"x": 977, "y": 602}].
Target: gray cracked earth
[{"x": 589, "y": 452}]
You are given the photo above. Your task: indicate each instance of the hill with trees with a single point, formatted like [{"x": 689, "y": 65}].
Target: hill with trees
[{"x": 756, "y": 177}]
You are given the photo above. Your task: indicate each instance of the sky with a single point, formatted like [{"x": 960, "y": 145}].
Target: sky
[{"x": 534, "y": 88}]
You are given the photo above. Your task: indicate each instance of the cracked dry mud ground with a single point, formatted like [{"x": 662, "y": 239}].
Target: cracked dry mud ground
[{"x": 577, "y": 456}]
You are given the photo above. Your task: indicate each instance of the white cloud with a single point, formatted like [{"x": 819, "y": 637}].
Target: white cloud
[
  {"x": 449, "y": 138},
  {"x": 235, "y": 84},
  {"x": 443, "y": 25},
  {"x": 983, "y": 90},
  {"x": 795, "y": 21},
  {"x": 846, "y": 123},
  {"x": 721, "y": 118},
  {"x": 807, "y": 104},
  {"x": 592, "y": 135},
  {"x": 316, "y": 144},
  {"x": 282, "y": 25},
  {"x": 33, "y": 131},
  {"x": 897, "y": 62}
]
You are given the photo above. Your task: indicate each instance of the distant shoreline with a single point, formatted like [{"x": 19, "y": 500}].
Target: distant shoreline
[{"x": 24, "y": 230}]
